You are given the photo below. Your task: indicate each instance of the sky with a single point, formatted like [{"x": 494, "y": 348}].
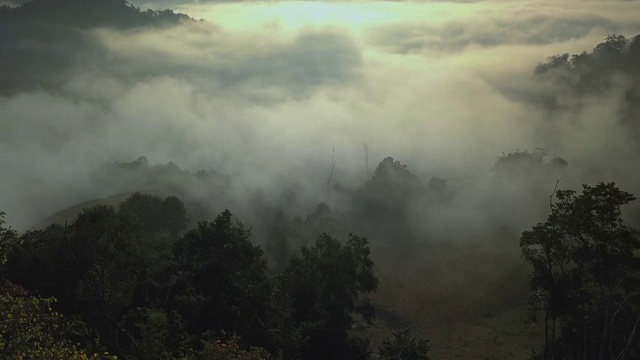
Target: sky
[{"x": 268, "y": 91}]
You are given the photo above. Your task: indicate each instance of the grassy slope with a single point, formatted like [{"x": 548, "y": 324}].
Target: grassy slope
[
  {"x": 69, "y": 214},
  {"x": 470, "y": 304}
]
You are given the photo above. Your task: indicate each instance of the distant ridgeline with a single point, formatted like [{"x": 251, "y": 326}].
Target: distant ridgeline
[
  {"x": 588, "y": 72},
  {"x": 118, "y": 180},
  {"x": 613, "y": 64},
  {"x": 197, "y": 189},
  {"x": 87, "y": 14},
  {"x": 45, "y": 41}
]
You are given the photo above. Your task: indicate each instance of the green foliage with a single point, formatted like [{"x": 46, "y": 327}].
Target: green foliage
[
  {"x": 30, "y": 329},
  {"x": 403, "y": 346},
  {"x": 586, "y": 274},
  {"x": 154, "y": 215},
  {"x": 145, "y": 210},
  {"x": 94, "y": 267},
  {"x": 286, "y": 238},
  {"x": 325, "y": 287},
  {"x": 221, "y": 283},
  {"x": 153, "y": 331},
  {"x": 111, "y": 269},
  {"x": 158, "y": 334},
  {"x": 7, "y": 239},
  {"x": 230, "y": 350}
]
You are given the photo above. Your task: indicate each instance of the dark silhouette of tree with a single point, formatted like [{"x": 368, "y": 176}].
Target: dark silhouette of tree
[
  {"x": 154, "y": 215},
  {"x": 57, "y": 31},
  {"x": 92, "y": 267},
  {"x": 525, "y": 162},
  {"x": 283, "y": 238},
  {"x": 325, "y": 286},
  {"x": 31, "y": 329},
  {"x": 594, "y": 73},
  {"x": 381, "y": 205},
  {"x": 320, "y": 221},
  {"x": 220, "y": 285},
  {"x": 145, "y": 209},
  {"x": 89, "y": 13},
  {"x": 174, "y": 215},
  {"x": 586, "y": 275},
  {"x": 209, "y": 297},
  {"x": 287, "y": 237},
  {"x": 7, "y": 240}
]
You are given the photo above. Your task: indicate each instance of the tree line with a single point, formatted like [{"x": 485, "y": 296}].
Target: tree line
[
  {"x": 136, "y": 283},
  {"x": 132, "y": 283}
]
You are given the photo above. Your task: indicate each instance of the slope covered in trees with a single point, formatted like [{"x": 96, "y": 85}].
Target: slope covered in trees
[
  {"x": 86, "y": 14},
  {"x": 611, "y": 68},
  {"x": 109, "y": 283},
  {"x": 44, "y": 40},
  {"x": 146, "y": 292}
]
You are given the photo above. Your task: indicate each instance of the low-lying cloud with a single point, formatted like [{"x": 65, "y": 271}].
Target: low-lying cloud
[{"x": 270, "y": 105}]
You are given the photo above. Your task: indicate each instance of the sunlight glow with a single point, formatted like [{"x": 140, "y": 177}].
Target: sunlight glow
[{"x": 292, "y": 15}]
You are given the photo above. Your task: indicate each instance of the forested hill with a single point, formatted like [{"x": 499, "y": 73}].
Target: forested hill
[
  {"x": 567, "y": 81},
  {"x": 87, "y": 14},
  {"x": 45, "y": 41}
]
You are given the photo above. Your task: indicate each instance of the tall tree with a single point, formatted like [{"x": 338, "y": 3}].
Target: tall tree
[
  {"x": 221, "y": 286},
  {"x": 7, "y": 239},
  {"x": 92, "y": 267},
  {"x": 586, "y": 274},
  {"x": 326, "y": 287},
  {"x": 381, "y": 206},
  {"x": 403, "y": 346}
]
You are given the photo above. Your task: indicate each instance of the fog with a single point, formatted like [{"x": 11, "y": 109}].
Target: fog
[{"x": 269, "y": 93}]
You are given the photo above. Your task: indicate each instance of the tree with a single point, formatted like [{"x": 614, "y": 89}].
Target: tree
[
  {"x": 593, "y": 72},
  {"x": 174, "y": 215},
  {"x": 325, "y": 287},
  {"x": 230, "y": 350},
  {"x": 159, "y": 334},
  {"x": 154, "y": 215},
  {"x": 280, "y": 243},
  {"x": 92, "y": 267},
  {"x": 586, "y": 274},
  {"x": 30, "y": 329},
  {"x": 221, "y": 286},
  {"x": 524, "y": 162},
  {"x": 145, "y": 210},
  {"x": 403, "y": 346},
  {"x": 381, "y": 204},
  {"x": 7, "y": 239}
]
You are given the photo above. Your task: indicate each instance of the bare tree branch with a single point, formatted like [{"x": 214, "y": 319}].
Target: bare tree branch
[{"x": 334, "y": 160}]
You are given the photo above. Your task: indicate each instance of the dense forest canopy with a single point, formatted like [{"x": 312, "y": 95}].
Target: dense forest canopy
[{"x": 142, "y": 289}]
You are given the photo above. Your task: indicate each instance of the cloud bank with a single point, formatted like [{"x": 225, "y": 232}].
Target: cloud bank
[{"x": 442, "y": 87}]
